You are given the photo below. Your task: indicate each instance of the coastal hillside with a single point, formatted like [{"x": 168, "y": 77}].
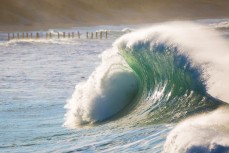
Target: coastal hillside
[{"x": 92, "y": 12}]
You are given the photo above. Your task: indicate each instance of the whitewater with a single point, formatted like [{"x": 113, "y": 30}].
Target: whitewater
[{"x": 147, "y": 88}]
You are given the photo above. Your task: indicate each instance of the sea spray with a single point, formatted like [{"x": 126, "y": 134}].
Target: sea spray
[
  {"x": 208, "y": 132},
  {"x": 168, "y": 71},
  {"x": 107, "y": 91},
  {"x": 204, "y": 47}
]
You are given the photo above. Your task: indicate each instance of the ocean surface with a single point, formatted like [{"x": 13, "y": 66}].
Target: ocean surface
[{"x": 146, "y": 88}]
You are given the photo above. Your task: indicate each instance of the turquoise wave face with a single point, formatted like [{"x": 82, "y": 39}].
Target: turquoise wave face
[
  {"x": 170, "y": 87},
  {"x": 152, "y": 76}
]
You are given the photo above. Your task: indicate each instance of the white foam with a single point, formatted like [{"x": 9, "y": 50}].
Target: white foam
[
  {"x": 54, "y": 32},
  {"x": 41, "y": 40},
  {"x": 205, "y": 47},
  {"x": 127, "y": 30},
  {"x": 224, "y": 24},
  {"x": 107, "y": 91},
  {"x": 203, "y": 132}
]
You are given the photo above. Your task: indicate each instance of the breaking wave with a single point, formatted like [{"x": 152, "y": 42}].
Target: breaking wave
[{"x": 160, "y": 74}]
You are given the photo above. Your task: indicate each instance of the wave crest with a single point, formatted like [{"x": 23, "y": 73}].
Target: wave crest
[{"x": 160, "y": 74}]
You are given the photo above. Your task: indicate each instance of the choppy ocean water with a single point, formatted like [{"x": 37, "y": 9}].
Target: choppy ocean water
[{"x": 38, "y": 77}]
